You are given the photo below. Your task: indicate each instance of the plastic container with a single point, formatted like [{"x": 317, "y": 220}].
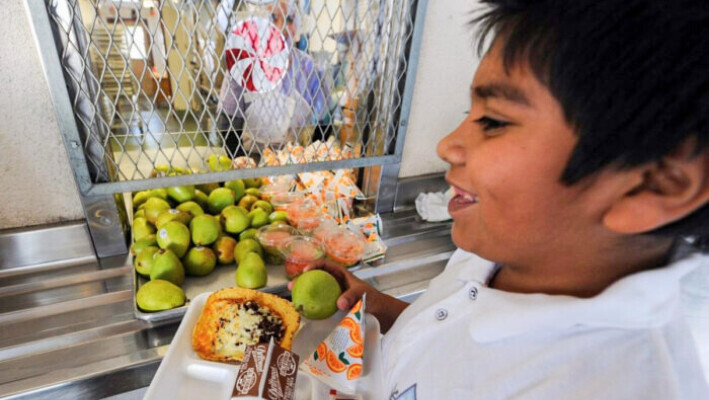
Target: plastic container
[
  {"x": 327, "y": 227},
  {"x": 301, "y": 252},
  {"x": 273, "y": 238},
  {"x": 281, "y": 200},
  {"x": 345, "y": 247},
  {"x": 267, "y": 192},
  {"x": 304, "y": 215}
]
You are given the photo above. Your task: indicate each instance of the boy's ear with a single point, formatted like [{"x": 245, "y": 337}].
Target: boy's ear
[{"x": 667, "y": 191}]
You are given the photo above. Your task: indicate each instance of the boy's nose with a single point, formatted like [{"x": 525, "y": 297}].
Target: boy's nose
[{"x": 450, "y": 149}]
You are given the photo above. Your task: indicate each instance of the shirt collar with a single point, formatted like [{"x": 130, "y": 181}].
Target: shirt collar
[{"x": 645, "y": 299}]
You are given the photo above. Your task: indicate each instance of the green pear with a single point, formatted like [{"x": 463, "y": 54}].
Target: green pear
[
  {"x": 159, "y": 295},
  {"x": 201, "y": 199},
  {"x": 140, "y": 213},
  {"x": 174, "y": 236},
  {"x": 160, "y": 170},
  {"x": 278, "y": 216},
  {"x": 253, "y": 191},
  {"x": 153, "y": 207},
  {"x": 238, "y": 187},
  {"x": 205, "y": 230},
  {"x": 264, "y": 205},
  {"x": 168, "y": 267},
  {"x": 248, "y": 234},
  {"x": 140, "y": 245},
  {"x": 245, "y": 247},
  {"x": 199, "y": 261},
  {"x": 158, "y": 192},
  {"x": 145, "y": 260},
  {"x": 253, "y": 182},
  {"x": 315, "y": 294},
  {"x": 224, "y": 249},
  {"x": 221, "y": 163},
  {"x": 258, "y": 217},
  {"x": 251, "y": 273},
  {"x": 247, "y": 201},
  {"x": 140, "y": 198},
  {"x": 181, "y": 194},
  {"x": 173, "y": 215},
  {"x": 207, "y": 187},
  {"x": 142, "y": 228},
  {"x": 191, "y": 207},
  {"x": 220, "y": 198},
  {"x": 234, "y": 220}
]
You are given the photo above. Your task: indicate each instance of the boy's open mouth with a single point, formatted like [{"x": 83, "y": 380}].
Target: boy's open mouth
[{"x": 461, "y": 199}]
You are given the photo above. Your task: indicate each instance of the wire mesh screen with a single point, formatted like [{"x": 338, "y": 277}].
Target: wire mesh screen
[{"x": 211, "y": 85}]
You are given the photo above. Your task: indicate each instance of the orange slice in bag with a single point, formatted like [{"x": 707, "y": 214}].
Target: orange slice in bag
[
  {"x": 354, "y": 371},
  {"x": 334, "y": 363},
  {"x": 321, "y": 351},
  {"x": 356, "y": 351},
  {"x": 353, "y": 327}
]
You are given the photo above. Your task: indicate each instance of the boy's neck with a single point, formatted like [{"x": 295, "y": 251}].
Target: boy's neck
[{"x": 579, "y": 276}]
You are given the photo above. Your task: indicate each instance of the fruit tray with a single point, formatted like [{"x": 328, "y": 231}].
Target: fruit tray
[
  {"x": 183, "y": 375},
  {"x": 222, "y": 276}
]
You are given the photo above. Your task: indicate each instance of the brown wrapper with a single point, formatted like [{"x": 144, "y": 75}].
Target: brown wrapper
[{"x": 267, "y": 372}]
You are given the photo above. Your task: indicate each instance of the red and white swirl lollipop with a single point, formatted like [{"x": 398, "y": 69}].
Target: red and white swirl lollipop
[{"x": 257, "y": 54}]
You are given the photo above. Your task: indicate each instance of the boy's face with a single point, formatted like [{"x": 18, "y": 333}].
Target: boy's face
[{"x": 506, "y": 159}]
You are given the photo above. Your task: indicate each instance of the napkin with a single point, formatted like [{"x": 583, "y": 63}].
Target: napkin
[{"x": 433, "y": 207}]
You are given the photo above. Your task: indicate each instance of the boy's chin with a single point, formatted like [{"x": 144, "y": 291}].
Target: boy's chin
[{"x": 462, "y": 240}]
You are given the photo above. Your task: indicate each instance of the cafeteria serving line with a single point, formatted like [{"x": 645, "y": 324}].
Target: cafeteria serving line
[{"x": 195, "y": 188}]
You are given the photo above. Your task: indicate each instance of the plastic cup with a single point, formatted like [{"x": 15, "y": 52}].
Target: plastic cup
[
  {"x": 305, "y": 216},
  {"x": 273, "y": 238},
  {"x": 345, "y": 247},
  {"x": 281, "y": 200},
  {"x": 325, "y": 228},
  {"x": 301, "y": 252}
]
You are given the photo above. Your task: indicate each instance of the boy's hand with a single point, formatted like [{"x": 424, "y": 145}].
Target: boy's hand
[{"x": 382, "y": 306}]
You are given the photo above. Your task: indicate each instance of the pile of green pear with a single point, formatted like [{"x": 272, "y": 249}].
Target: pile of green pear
[{"x": 189, "y": 230}]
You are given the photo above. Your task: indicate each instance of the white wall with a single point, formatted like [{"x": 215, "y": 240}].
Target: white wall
[
  {"x": 36, "y": 181},
  {"x": 441, "y": 94}
]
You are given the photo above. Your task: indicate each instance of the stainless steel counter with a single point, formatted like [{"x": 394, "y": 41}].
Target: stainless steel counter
[{"x": 66, "y": 317}]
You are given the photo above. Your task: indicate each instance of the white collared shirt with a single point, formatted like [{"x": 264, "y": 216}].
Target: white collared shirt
[{"x": 464, "y": 340}]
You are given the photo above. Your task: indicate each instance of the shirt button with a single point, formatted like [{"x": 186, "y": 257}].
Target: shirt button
[
  {"x": 473, "y": 293},
  {"x": 441, "y": 314}
]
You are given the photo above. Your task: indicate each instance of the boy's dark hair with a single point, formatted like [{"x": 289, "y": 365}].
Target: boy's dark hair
[{"x": 632, "y": 77}]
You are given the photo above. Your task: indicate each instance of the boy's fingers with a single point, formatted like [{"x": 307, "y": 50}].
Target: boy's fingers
[{"x": 347, "y": 300}]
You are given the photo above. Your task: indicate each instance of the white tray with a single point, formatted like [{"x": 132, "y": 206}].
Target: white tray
[{"x": 183, "y": 375}]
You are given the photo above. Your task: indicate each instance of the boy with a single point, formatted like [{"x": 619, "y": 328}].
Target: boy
[{"x": 580, "y": 173}]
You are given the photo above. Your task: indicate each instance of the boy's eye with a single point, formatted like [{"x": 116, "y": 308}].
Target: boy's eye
[{"x": 489, "y": 124}]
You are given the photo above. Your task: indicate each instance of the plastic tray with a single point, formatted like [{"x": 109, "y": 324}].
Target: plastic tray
[{"x": 183, "y": 375}]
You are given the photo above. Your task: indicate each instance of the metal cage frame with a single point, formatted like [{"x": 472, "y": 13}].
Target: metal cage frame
[{"x": 100, "y": 206}]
